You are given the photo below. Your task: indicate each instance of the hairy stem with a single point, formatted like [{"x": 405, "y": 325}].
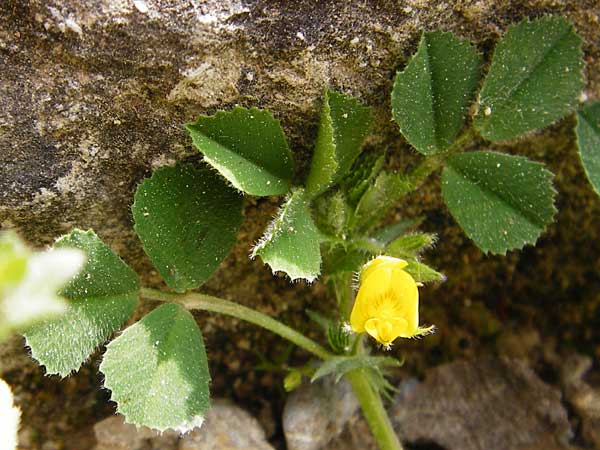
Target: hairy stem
[
  {"x": 373, "y": 410},
  {"x": 215, "y": 304}
]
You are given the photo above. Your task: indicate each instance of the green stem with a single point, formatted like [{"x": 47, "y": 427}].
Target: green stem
[
  {"x": 421, "y": 172},
  {"x": 429, "y": 164},
  {"x": 215, "y": 304},
  {"x": 373, "y": 410}
]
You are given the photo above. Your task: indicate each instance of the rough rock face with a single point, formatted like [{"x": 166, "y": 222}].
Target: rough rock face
[
  {"x": 499, "y": 404},
  {"x": 226, "y": 427},
  {"x": 489, "y": 403},
  {"x": 316, "y": 413},
  {"x": 93, "y": 95}
]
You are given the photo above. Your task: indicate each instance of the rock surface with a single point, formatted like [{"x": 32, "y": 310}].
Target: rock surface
[
  {"x": 316, "y": 413},
  {"x": 226, "y": 427},
  {"x": 498, "y": 404},
  {"x": 583, "y": 398}
]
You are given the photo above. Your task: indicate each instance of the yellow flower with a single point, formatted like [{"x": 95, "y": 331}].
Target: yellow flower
[{"x": 387, "y": 304}]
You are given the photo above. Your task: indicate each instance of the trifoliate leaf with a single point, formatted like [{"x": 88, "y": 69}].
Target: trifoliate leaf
[
  {"x": 343, "y": 127},
  {"x": 248, "y": 147},
  {"x": 11, "y": 416},
  {"x": 187, "y": 219},
  {"x": 588, "y": 140},
  {"x": 535, "y": 79},
  {"x": 340, "y": 365},
  {"x": 378, "y": 199},
  {"x": 431, "y": 97},
  {"x": 291, "y": 243},
  {"x": 29, "y": 283},
  {"x": 101, "y": 298},
  {"x": 502, "y": 202},
  {"x": 157, "y": 371}
]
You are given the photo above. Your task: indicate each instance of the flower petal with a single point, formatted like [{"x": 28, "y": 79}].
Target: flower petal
[
  {"x": 372, "y": 292},
  {"x": 406, "y": 293},
  {"x": 385, "y": 331},
  {"x": 379, "y": 263}
]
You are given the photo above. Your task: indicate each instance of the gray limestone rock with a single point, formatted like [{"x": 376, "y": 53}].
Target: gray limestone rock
[
  {"x": 226, "y": 427},
  {"x": 498, "y": 404},
  {"x": 316, "y": 413},
  {"x": 583, "y": 398},
  {"x": 490, "y": 403}
]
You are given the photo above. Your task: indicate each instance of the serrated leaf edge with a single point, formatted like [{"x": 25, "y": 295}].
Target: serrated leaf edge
[
  {"x": 136, "y": 294},
  {"x": 527, "y": 20},
  {"x": 581, "y": 118},
  {"x": 186, "y": 426},
  {"x": 269, "y": 234},
  {"x": 434, "y": 112},
  {"x": 550, "y": 178},
  {"x": 35, "y": 356},
  {"x": 231, "y": 179}
]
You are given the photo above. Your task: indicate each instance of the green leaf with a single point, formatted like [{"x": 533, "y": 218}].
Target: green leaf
[
  {"x": 344, "y": 125},
  {"x": 101, "y": 298},
  {"x": 378, "y": 199},
  {"x": 588, "y": 141},
  {"x": 339, "y": 259},
  {"x": 248, "y": 147},
  {"x": 340, "y": 365},
  {"x": 422, "y": 273},
  {"x": 363, "y": 173},
  {"x": 330, "y": 212},
  {"x": 187, "y": 219},
  {"x": 291, "y": 243},
  {"x": 319, "y": 319},
  {"x": 379, "y": 383},
  {"x": 502, "y": 202},
  {"x": 292, "y": 380},
  {"x": 388, "y": 233},
  {"x": 410, "y": 244},
  {"x": 431, "y": 97},
  {"x": 158, "y": 372},
  {"x": 535, "y": 79}
]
